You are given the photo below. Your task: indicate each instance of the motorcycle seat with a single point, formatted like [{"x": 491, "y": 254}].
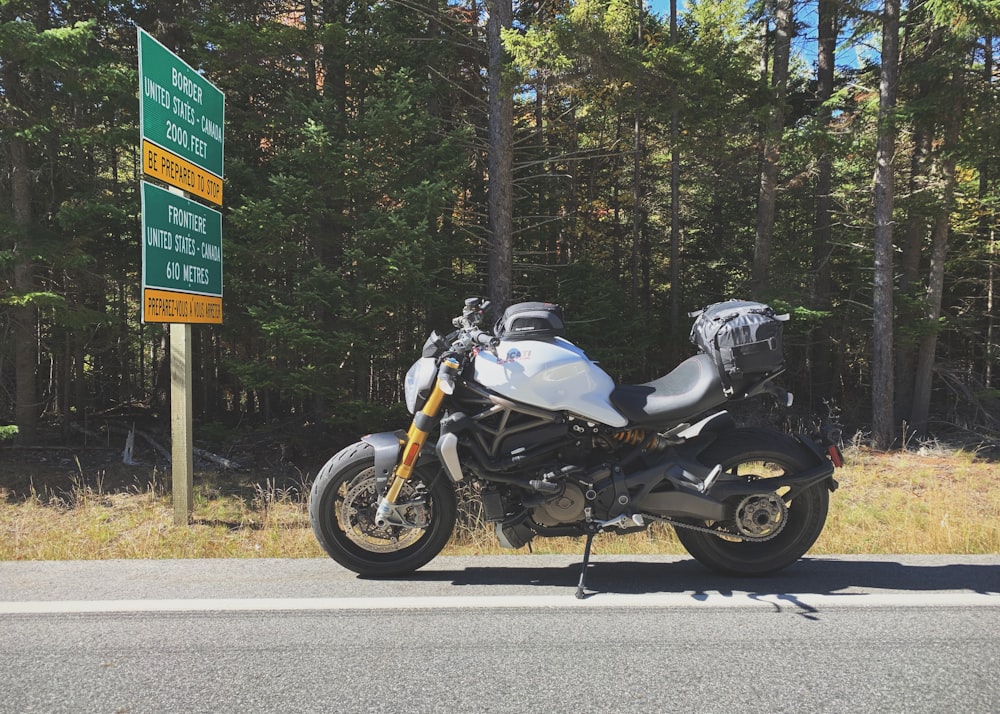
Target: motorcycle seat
[{"x": 691, "y": 387}]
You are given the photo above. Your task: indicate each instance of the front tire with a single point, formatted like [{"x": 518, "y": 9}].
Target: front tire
[
  {"x": 342, "y": 509},
  {"x": 761, "y": 452}
]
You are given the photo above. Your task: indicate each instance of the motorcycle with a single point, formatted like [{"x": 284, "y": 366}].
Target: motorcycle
[{"x": 551, "y": 446}]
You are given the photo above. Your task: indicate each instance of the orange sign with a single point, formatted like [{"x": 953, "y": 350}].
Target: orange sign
[
  {"x": 172, "y": 169},
  {"x": 169, "y": 306}
]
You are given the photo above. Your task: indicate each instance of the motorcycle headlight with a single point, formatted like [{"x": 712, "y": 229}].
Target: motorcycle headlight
[{"x": 418, "y": 383}]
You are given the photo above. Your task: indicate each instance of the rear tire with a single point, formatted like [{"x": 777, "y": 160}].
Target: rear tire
[
  {"x": 761, "y": 452},
  {"x": 342, "y": 508}
]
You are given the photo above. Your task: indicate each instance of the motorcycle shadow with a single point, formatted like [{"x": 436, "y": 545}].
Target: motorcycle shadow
[{"x": 817, "y": 575}]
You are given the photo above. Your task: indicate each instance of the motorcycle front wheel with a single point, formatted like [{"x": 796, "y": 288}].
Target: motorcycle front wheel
[
  {"x": 761, "y": 453},
  {"x": 342, "y": 508}
]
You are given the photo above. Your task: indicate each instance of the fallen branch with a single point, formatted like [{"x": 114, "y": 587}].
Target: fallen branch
[
  {"x": 130, "y": 435},
  {"x": 220, "y": 460},
  {"x": 159, "y": 448}
]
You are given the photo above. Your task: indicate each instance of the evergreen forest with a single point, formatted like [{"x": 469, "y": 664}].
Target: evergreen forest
[{"x": 631, "y": 161}]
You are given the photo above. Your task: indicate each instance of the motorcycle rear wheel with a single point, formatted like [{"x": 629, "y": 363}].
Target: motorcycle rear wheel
[
  {"x": 342, "y": 509},
  {"x": 764, "y": 453}
]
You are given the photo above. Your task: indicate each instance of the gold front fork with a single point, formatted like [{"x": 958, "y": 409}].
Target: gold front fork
[
  {"x": 415, "y": 439},
  {"x": 423, "y": 421}
]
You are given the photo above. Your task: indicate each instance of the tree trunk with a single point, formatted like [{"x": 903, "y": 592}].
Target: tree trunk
[
  {"x": 919, "y": 215},
  {"x": 26, "y": 406},
  {"x": 783, "y": 28},
  {"x": 636, "y": 207},
  {"x": 935, "y": 283},
  {"x": 23, "y": 317},
  {"x": 915, "y": 230},
  {"x": 883, "y": 418},
  {"x": 675, "y": 207},
  {"x": 820, "y": 367},
  {"x": 500, "y": 161},
  {"x": 987, "y": 223}
]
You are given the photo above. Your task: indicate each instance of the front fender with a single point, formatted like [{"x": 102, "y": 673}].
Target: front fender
[{"x": 388, "y": 445}]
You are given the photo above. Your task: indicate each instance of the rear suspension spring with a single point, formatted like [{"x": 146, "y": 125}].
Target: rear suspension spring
[{"x": 644, "y": 440}]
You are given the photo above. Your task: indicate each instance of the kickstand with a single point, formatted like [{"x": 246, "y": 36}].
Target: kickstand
[{"x": 580, "y": 595}]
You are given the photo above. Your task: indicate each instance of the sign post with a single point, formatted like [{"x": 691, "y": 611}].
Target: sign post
[
  {"x": 181, "y": 423},
  {"x": 181, "y": 120}
]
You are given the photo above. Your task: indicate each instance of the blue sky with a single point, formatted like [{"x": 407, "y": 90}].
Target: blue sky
[{"x": 804, "y": 43}]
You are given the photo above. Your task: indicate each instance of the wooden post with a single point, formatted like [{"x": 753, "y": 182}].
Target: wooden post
[{"x": 181, "y": 422}]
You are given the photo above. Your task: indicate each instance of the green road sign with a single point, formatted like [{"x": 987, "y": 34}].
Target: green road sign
[
  {"x": 181, "y": 243},
  {"x": 180, "y": 110}
]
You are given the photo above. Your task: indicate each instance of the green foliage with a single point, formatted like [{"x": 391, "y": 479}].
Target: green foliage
[
  {"x": 968, "y": 16},
  {"x": 355, "y": 209}
]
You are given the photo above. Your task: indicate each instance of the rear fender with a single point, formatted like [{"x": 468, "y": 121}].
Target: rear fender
[
  {"x": 716, "y": 427},
  {"x": 727, "y": 486},
  {"x": 820, "y": 472},
  {"x": 685, "y": 501}
]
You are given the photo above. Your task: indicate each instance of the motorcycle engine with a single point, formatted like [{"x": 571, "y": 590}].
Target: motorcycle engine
[{"x": 567, "y": 507}]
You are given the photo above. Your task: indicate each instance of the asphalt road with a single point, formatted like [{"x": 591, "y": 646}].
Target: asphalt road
[{"x": 501, "y": 634}]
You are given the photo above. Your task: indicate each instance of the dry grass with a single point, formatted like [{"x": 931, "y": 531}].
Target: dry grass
[
  {"x": 934, "y": 500},
  {"x": 86, "y": 523},
  {"x": 930, "y": 501}
]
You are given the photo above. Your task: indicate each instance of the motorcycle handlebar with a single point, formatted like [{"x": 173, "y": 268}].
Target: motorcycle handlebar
[
  {"x": 465, "y": 340},
  {"x": 485, "y": 338}
]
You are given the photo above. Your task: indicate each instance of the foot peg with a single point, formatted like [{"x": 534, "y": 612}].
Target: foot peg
[{"x": 709, "y": 481}]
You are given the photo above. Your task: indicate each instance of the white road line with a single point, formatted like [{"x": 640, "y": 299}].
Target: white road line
[{"x": 807, "y": 602}]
